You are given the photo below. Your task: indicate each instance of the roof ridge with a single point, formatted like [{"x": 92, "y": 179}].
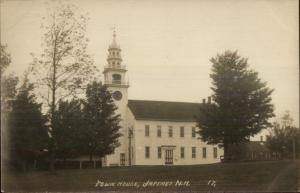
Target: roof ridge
[
  {"x": 163, "y": 101},
  {"x": 164, "y": 110}
]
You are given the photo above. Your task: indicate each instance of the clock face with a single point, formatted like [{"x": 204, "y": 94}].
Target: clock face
[{"x": 117, "y": 95}]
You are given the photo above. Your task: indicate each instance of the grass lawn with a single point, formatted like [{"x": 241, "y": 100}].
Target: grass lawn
[{"x": 250, "y": 176}]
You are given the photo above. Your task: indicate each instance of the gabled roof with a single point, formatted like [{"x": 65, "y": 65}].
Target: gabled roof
[{"x": 164, "y": 110}]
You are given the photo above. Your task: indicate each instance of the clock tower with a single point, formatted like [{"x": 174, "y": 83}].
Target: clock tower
[{"x": 116, "y": 82}]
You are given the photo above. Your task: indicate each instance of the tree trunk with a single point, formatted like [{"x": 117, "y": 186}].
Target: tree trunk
[
  {"x": 24, "y": 166},
  {"x": 52, "y": 163},
  {"x": 34, "y": 164},
  {"x": 91, "y": 156},
  {"x": 226, "y": 158},
  {"x": 53, "y": 90},
  {"x": 294, "y": 149}
]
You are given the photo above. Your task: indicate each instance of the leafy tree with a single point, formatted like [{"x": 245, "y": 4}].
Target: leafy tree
[
  {"x": 284, "y": 137},
  {"x": 102, "y": 122},
  {"x": 5, "y": 59},
  {"x": 27, "y": 131},
  {"x": 69, "y": 132},
  {"x": 8, "y": 93},
  {"x": 8, "y": 90},
  {"x": 8, "y": 82},
  {"x": 64, "y": 68},
  {"x": 241, "y": 103}
]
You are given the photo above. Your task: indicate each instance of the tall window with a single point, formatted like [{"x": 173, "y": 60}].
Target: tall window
[
  {"x": 193, "y": 132},
  {"x": 182, "y": 152},
  {"x": 193, "y": 152},
  {"x": 158, "y": 131},
  {"x": 170, "y": 131},
  {"x": 204, "y": 152},
  {"x": 158, "y": 152},
  {"x": 215, "y": 152},
  {"x": 181, "y": 131},
  {"x": 147, "y": 130},
  {"x": 147, "y": 152}
]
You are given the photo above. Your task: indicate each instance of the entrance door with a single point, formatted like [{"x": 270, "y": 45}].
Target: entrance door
[
  {"x": 169, "y": 157},
  {"x": 122, "y": 159}
]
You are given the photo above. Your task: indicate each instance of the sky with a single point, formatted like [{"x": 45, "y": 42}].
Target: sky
[{"x": 167, "y": 45}]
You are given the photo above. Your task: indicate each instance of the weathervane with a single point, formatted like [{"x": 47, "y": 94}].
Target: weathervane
[{"x": 114, "y": 31}]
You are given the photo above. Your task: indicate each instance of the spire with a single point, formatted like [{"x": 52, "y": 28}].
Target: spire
[
  {"x": 114, "y": 41},
  {"x": 114, "y": 58},
  {"x": 114, "y": 35}
]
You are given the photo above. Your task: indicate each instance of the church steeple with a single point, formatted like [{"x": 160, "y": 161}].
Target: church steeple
[
  {"x": 114, "y": 58},
  {"x": 114, "y": 42},
  {"x": 116, "y": 82},
  {"x": 114, "y": 72}
]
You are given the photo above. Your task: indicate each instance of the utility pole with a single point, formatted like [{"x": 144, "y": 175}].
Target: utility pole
[
  {"x": 293, "y": 135},
  {"x": 130, "y": 135},
  {"x": 294, "y": 148}
]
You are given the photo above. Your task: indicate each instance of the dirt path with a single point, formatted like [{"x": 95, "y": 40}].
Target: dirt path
[{"x": 273, "y": 185}]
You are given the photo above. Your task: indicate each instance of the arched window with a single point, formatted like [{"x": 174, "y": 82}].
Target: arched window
[{"x": 116, "y": 78}]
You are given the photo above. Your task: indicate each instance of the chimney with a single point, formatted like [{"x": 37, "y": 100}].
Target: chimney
[
  {"x": 209, "y": 100},
  {"x": 203, "y": 101}
]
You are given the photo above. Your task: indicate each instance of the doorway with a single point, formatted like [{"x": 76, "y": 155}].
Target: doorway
[{"x": 169, "y": 156}]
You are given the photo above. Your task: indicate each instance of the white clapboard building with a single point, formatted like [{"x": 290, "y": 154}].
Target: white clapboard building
[{"x": 154, "y": 132}]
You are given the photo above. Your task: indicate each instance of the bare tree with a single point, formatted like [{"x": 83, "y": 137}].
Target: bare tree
[
  {"x": 64, "y": 67},
  {"x": 284, "y": 137}
]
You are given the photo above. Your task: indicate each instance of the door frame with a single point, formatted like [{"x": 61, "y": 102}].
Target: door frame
[{"x": 171, "y": 150}]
